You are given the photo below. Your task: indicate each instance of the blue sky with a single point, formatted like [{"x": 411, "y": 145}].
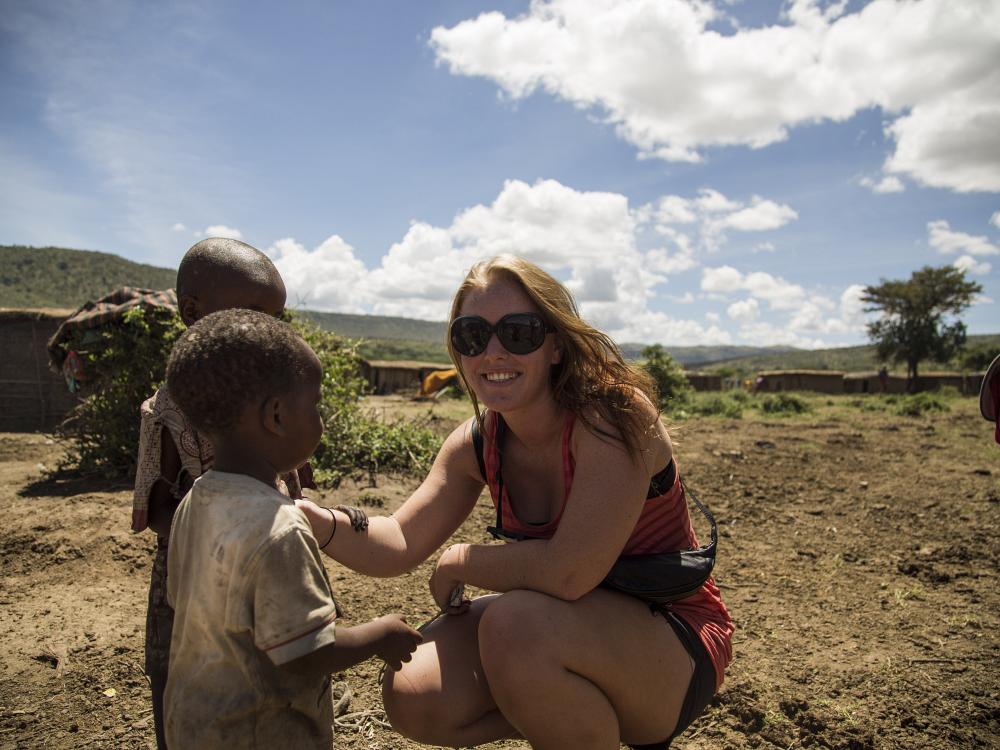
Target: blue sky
[{"x": 697, "y": 172}]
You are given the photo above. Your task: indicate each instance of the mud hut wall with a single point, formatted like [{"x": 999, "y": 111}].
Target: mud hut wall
[
  {"x": 801, "y": 380},
  {"x": 869, "y": 383},
  {"x": 862, "y": 383},
  {"x": 966, "y": 384},
  {"x": 393, "y": 377},
  {"x": 704, "y": 381},
  {"x": 32, "y": 397}
]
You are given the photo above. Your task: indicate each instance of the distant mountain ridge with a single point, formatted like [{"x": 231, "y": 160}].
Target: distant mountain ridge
[{"x": 65, "y": 278}]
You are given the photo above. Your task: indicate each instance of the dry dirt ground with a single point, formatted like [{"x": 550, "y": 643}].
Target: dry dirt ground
[{"x": 859, "y": 556}]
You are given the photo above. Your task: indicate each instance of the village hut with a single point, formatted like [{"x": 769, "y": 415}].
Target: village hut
[
  {"x": 32, "y": 397},
  {"x": 704, "y": 381},
  {"x": 820, "y": 381},
  {"x": 386, "y": 376},
  {"x": 869, "y": 382},
  {"x": 965, "y": 383}
]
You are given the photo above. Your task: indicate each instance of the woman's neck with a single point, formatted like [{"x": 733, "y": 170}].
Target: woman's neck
[{"x": 536, "y": 424}]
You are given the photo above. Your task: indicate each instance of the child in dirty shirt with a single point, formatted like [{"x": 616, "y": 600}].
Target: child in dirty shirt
[
  {"x": 215, "y": 274},
  {"x": 255, "y": 635}
]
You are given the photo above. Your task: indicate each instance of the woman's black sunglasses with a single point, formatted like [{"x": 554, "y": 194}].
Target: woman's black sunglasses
[{"x": 520, "y": 333}]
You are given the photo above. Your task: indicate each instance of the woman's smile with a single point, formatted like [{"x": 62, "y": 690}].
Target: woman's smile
[{"x": 500, "y": 376}]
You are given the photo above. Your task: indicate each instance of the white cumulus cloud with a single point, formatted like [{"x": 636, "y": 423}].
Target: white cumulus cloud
[
  {"x": 588, "y": 239},
  {"x": 744, "y": 310},
  {"x": 327, "y": 278},
  {"x": 972, "y": 266},
  {"x": 888, "y": 184},
  {"x": 671, "y": 84},
  {"x": 178, "y": 227},
  {"x": 760, "y": 216},
  {"x": 714, "y": 215},
  {"x": 945, "y": 240},
  {"x": 995, "y": 220}
]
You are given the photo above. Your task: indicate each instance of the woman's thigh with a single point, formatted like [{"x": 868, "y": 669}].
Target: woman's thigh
[
  {"x": 632, "y": 656},
  {"x": 529, "y": 641},
  {"x": 442, "y": 688}
]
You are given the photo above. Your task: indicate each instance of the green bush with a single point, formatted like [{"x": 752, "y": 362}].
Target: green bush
[
  {"x": 739, "y": 396},
  {"x": 718, "y": 406},
  {"x": 355, "y": 441},
  {"x": 784, "y": 403},
  {"x": 917, "y": 404},
  {"x": 125, "y": 363},
  {"x": 672, "y": 385}
]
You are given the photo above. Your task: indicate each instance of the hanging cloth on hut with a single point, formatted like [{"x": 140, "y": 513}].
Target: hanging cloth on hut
[{"x": 94, "y": 315}]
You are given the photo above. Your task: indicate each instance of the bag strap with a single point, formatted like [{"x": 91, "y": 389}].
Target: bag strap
[
  {"x": 477, "y": 446},
  {"x": 706, "y": 512}
]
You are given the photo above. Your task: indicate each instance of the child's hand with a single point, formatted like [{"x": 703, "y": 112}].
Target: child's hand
[{"x": 398, "y": 642}]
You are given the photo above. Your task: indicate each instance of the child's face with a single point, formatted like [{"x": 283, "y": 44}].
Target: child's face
[{"x": 303, "y": 417}]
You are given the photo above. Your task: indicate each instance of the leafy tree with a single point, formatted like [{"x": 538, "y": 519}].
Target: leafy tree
[
  {"x": 978, "y": 358},
  {"x": 671, "y": 382},
  {"x": 914, "y": 325}
]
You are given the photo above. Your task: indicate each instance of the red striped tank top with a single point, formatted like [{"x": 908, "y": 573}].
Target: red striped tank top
[{"x": 664, "y": 525}]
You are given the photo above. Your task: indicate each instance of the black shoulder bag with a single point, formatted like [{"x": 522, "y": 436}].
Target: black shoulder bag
[{"x": 656, "y": 578}]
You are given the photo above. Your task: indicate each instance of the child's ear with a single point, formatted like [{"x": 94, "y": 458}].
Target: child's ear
[
  {"x": 188, "y": 308},
  {"x": 272, "y": 416}
]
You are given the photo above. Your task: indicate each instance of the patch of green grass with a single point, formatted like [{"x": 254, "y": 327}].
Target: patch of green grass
[
  {"x": 780, "y": 404},
  {"x": 918, "y": 404}
]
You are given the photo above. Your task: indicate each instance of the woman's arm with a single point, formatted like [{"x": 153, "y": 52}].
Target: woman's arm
[
  {"x": 609, "y": 489},
  {"x": 398, "y": 543}
]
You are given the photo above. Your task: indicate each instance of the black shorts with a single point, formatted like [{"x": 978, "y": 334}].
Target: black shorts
[{"x": 702, "y": 686}]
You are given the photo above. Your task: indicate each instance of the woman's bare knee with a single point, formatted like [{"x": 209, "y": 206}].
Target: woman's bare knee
[
  {"x": 515, "y": 631},
  {"x": 413, "y": 711}
]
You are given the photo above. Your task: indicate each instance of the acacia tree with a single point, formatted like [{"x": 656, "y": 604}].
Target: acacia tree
[{"x": 919, "y": 316}]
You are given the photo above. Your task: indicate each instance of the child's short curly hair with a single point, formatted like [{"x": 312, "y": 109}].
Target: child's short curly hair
[{"x": 229, "y": 360}]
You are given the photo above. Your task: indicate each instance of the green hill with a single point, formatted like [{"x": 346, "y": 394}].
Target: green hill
[
  {"x": 379, "y": 326},
  {"x": 848, "y": 359},
  {"x": 57, "y": 277},
  {"x": 695, "y": 357}
]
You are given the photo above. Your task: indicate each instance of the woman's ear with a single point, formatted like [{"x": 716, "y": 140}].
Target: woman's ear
[
  {"x": 272, "y": 416},
  {"x": 188, "y": 308},
  {"x": 557, "y": 352}
]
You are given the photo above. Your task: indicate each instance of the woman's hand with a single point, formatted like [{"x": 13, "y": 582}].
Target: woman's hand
[{"x": 446, "y": 586}]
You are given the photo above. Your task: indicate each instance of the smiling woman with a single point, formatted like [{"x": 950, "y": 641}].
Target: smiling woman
[{"x": 588, "y": 476}]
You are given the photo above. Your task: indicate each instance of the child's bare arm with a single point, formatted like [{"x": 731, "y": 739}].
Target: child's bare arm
[
  {"x": 162, "y": 503},
  {"x": 388, "y": 637}
]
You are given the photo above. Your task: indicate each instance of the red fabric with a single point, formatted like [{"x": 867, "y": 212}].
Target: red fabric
[{"x": 664, "y": 525}]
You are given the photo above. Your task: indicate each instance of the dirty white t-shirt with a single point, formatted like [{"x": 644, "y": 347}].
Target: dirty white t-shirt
[{"x": 249, "y": 590}]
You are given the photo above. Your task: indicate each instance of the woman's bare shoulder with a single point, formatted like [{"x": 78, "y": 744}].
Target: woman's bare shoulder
[{"x": 654, "y": 440}]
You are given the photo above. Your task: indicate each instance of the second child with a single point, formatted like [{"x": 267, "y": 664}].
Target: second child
[{"x": 255, "y": 635}]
